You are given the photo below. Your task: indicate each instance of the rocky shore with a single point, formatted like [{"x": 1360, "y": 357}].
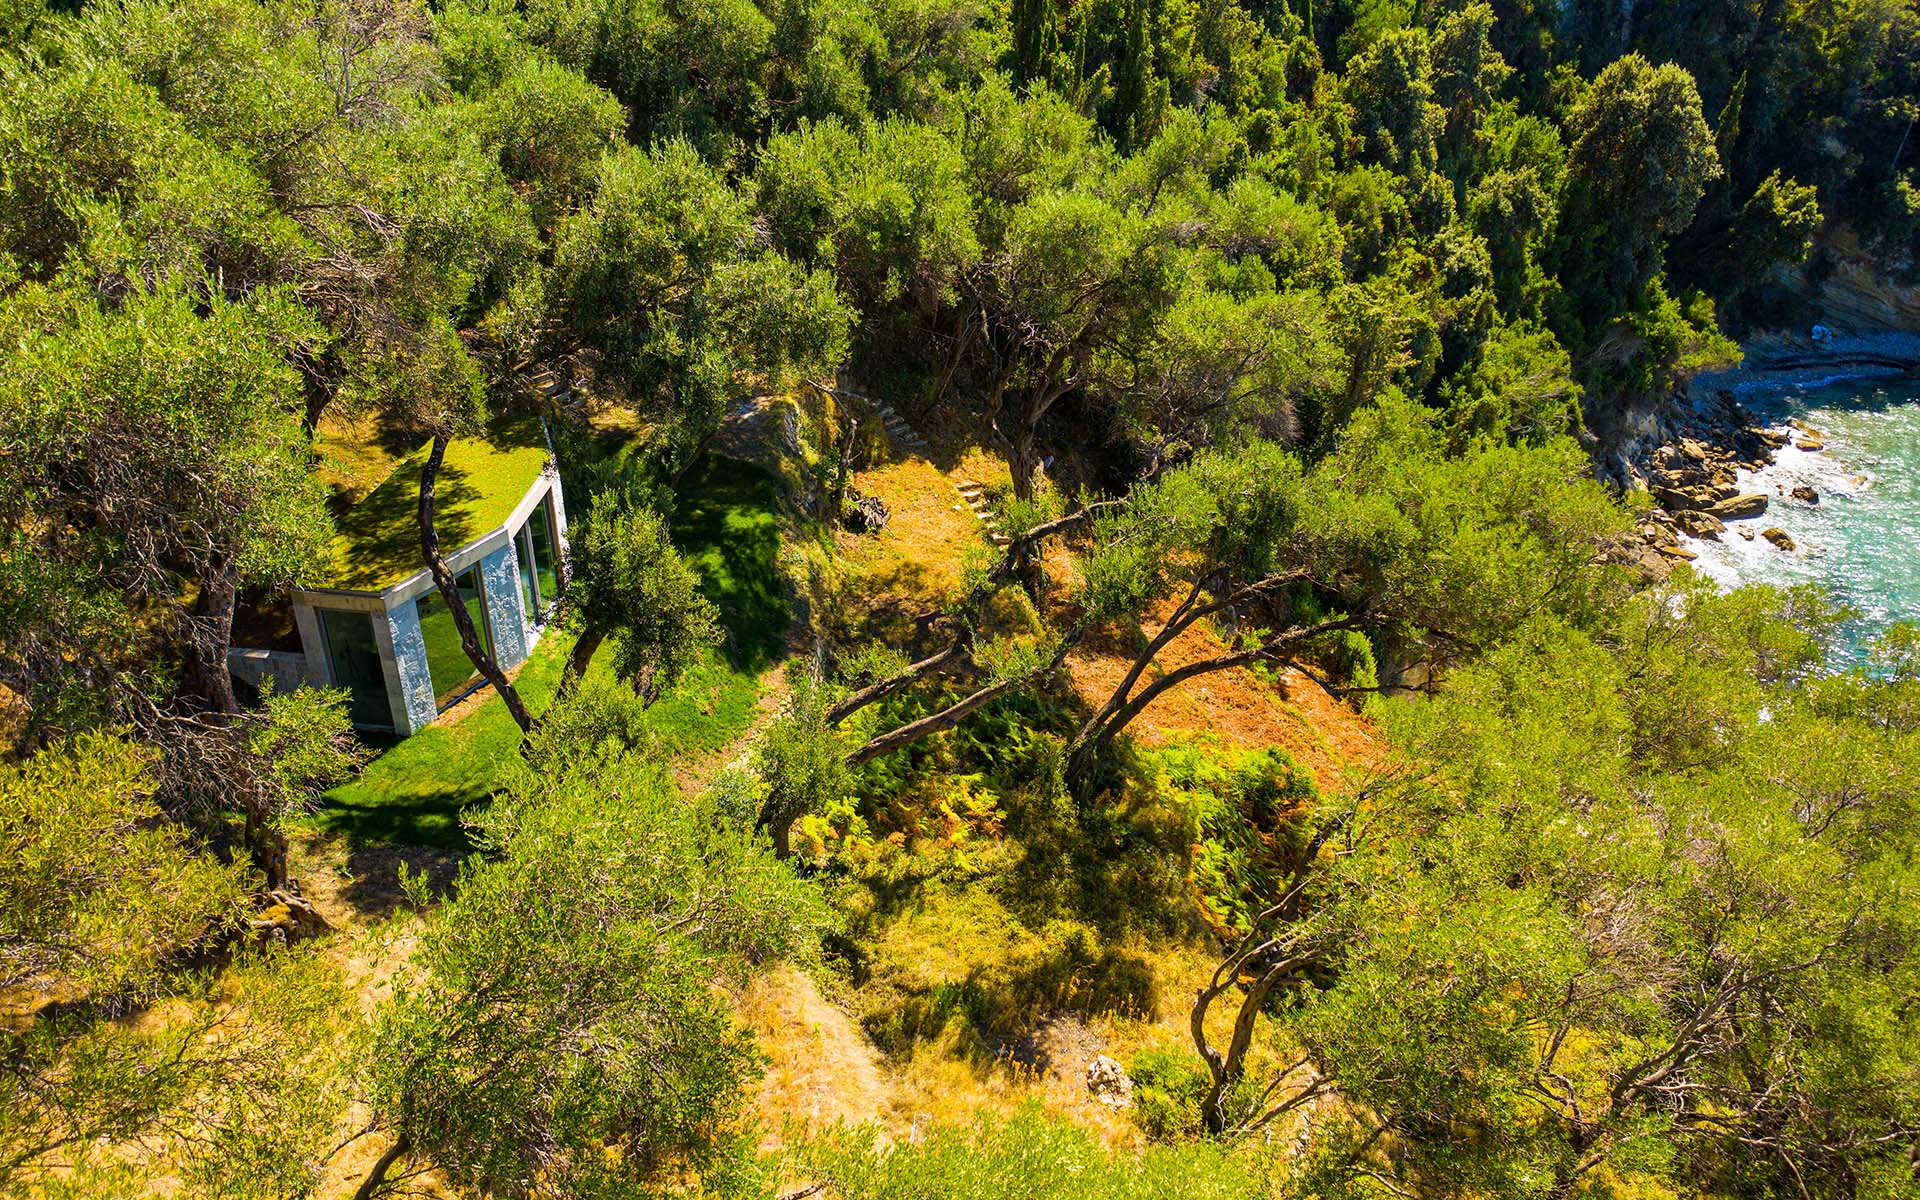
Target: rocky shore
[{"x": 1689, "y": 454}]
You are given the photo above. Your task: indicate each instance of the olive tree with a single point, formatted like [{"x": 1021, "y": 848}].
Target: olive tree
[
  {"x": 557, "y": 1032},
  {"x": 626, "y": 576}
]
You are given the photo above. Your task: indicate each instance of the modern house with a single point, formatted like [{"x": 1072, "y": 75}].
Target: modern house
[{"x": 378, "y": 626}]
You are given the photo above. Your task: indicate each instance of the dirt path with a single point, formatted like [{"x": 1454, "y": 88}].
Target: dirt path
[
  {"x": 821, "y": 1068},
  {"x": 694, "y": 774}
]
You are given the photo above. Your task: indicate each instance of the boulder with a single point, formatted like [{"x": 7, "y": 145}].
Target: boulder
[
  {"x": 1746, "y": 531},
  {"x": 1693, "y": 450},
  {"x": 1701, "y": 525},
  {"x": 1108, "y": 1082},
  {"x": 1812, "y": 444},
  {"x": 1740, "y": 507},
  {"x": 1778, "y": 537},
  {"x": 1679, "y": 552},
  {"x": 1805, "y": 494}
]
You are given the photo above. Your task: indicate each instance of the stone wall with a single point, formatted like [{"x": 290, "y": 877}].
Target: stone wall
[
  {"x": 506, "y": 607},
  {"x": 413, "y": 704}
]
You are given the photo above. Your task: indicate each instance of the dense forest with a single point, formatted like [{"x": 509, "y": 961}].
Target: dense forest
[{"x": 835, "y": 842}]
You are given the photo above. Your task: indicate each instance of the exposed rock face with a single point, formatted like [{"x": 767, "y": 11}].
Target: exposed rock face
[
  {"x": 1109, "y": 1083},
  {"x": 1778, "y": 537},
  {"x": 1844, "y": 287},
  {"x": 1806, "y": 494}
]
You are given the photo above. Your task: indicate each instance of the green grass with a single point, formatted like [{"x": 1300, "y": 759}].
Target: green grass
[
  {"x": 413, "y": 793},
  {"x": 726, "y": 520},
  {"x": 727, "y": 523},
  {"x": 481, "y": 479}
]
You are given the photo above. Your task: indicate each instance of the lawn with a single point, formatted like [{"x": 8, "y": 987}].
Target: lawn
[
  {"x": 480, "y": 481},
  {"x": 726, "y": 521},
  {"x": 413, "y": 793}
]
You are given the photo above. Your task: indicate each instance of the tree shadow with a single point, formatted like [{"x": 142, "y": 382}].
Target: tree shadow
[{"x": 383, "y": 530}]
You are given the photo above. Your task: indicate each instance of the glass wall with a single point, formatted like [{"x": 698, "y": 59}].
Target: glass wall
[
  {"x": 452, "y": 671},
  {"x": 354, "y": 656},
  {"x": 539, "y": 576}
]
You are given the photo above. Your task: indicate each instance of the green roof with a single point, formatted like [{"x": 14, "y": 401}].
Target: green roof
[{"x": 377, "y": 541}]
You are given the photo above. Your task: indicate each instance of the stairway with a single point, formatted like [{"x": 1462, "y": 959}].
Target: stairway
[
  {"x": 903, "y": 434},
  {"x": 975, "y": 495}
]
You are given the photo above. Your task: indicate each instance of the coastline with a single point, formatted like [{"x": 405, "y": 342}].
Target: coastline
[{"x": 1705, "y": 456}]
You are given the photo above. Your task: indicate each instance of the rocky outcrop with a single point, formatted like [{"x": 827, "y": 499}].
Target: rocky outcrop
[
  {"x": 1741, "y": 507},
  {"x": 1844, "y": 285},
  {"x": 1688, "y": 456}
]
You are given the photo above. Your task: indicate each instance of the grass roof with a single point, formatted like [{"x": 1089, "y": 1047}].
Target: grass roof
[{"x": 376, "y": 543}]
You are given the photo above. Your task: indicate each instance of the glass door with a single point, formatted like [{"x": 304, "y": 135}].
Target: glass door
[
  {"x": 353, "y": 655},
  {"x": 539, "y": 574}
]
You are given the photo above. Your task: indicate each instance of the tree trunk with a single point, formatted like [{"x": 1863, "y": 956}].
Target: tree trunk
[
  {"x": 1023, "y": 462},
  {"x": 843, "y": 472},
  {"x": 953, "y": 713},
  {"x": 266, "y": 849},
  {"x": 377, "y": 1177},
  {"x": 873, "y": 693},
  {"x": 450, "y": 592},
  {"x": 1120, "y": 709},
  {"x": 946, "y": 718},
  {"x": 210, "y": 635},
  {"x": 782, "y": 833}
]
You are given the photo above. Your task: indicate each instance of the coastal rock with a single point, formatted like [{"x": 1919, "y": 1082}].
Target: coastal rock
[
  {"x": 1701, "y": 524},
  {"x": 1679, "y": 552},
  {"x": 1740, "y": 507},
  {"x": 1805, "y": 494},
  {"x": 1746, "y": 531},
  {"x": 1778, "y": 537},
  {"x": 1769, "y": 438}
]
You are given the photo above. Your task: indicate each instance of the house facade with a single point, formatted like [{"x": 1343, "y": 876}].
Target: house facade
[{"x": 392, "y": 642}]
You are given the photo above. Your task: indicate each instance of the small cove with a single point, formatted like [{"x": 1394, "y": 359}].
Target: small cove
[{"x": 1861, "y": 539}]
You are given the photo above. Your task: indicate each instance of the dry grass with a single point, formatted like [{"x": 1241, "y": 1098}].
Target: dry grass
[
  {"x": 915, "y": 563},
  {"x": 1237, "y": 707},
  {"x": 822, "y": 1068}
]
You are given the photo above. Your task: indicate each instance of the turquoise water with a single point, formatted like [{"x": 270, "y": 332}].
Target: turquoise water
[{"x": 1862, "y": 540}]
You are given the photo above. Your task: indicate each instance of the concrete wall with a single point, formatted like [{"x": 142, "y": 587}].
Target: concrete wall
[{"x": 287, "y": 669}]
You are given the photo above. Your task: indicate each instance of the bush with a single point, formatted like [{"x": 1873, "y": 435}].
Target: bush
[
  {"x": 1026, "y": 1155},
  {"x": 1168, "y": 1083}
]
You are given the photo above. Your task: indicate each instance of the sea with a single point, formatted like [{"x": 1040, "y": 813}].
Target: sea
[{"x": 1861, "y": 538}]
